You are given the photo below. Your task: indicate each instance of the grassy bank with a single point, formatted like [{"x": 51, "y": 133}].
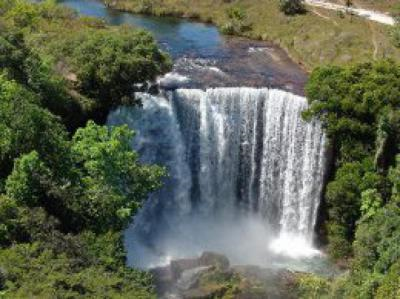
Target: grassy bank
[
  {"x": 382, "y": 5},
  {"x": 315, "y": 38}
]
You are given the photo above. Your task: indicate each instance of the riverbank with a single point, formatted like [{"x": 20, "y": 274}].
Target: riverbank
[
  {"x": 369, "y": 14},
  {"x": 315, "y": 38},
  {"x": 379, "y": 5},
  {"x": 203, "y": 57}
]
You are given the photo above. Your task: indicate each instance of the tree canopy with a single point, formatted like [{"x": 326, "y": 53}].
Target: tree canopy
[
  {"x": 68, "y": 185},
  {"x": 359, "y": 108}
]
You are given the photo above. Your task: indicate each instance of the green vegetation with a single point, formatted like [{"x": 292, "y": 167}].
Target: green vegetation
[
  {"x": 69, "y": 186},
  {"x": 395, "y": 32},
  {"x": 237, "y": 22},
  {"x": 106, "y": 64},
  {"x": 309, "y": 286},
  {"x": 314, "y": 38},
  {"x": 380, "y": 5},
  {"x": 359, "y": 107},
  {"x": 229, "y": 284},
  {"x": 81, "y": 72},
  {"x": 292, "y": 7}
]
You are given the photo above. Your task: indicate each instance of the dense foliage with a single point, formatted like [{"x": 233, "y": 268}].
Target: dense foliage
[
  {"x": 292, "y": 7},
  {"x": 23, "y": 65},
  {"x": 68, "y": 186},
  {"x": 359, "y": 107},
  {"x": 34, "y": 128},
  {"x": 84, "y": 70},
  {"x": 107, "y": 65}
]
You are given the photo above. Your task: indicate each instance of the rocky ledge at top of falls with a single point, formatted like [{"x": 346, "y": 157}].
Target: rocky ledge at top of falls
[{"x": 212, "y": 276}]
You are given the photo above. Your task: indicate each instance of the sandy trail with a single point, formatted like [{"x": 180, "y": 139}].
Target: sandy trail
[{"x": 376, "y": 16}]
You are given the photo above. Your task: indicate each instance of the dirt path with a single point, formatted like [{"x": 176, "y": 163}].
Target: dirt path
[{"x": 365, "y": 13}]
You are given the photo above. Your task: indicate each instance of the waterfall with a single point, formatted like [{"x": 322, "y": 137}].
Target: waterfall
[{"x": 232, "y": 153}]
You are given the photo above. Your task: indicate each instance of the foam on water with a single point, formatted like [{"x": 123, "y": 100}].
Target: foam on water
[
  {"x": 172, "y": 80},
  {"x": 293, "y": 246}
]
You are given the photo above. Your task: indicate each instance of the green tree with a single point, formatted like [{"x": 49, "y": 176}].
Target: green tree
[
  {"x": 34, "y": 128},
  {"x": 22, "y": 14},
  {"x": 8, "y": 215},
  {"x": 358, "y": 108},
  {"x": 110, "y": 63},
  {"x": 114, "y": 182},
  {"x": 67, "y": 201},
  {"x": 28, "y": 69},
  {"x": 100, "y": 186},
  {"x": 21, "y": 224},
  {"x": 371, "y": 201},
  {"x": 390, "y": 285},
  {"x": 25, "y": 184}
]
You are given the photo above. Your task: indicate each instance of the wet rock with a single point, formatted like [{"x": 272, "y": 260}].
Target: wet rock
[
  {"x": 190, "y": 278},
  {"x": 214, "y": 259},
  {"x": 163, "y": 279},
  {"x": 178, "y": 266},
  {"x": 211, "y": 276}
]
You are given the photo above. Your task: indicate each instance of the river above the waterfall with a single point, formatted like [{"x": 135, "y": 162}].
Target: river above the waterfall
[{"x": 203, "y": 57}]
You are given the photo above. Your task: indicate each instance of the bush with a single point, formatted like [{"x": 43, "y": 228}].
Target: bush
[
  {"x": 338, "y": 244},
  {"x": 145, "y": 7},
  {"x": 395, "y": 35},
  {"x": 33, "y": 272},
  {"x": 310, "y": 286},
  {"x": 292, "y": 7},
  {"x": 237, "y": 22},
  {"x": 390, "y": 286}
]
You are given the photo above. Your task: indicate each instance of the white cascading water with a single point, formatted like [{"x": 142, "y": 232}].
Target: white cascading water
[{"x": 243, "y": 166}]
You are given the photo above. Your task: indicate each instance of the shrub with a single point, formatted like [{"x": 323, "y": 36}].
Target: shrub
[
  {"x": 292, "y": 7},
  {"x": 390, "y": 287},
  {"x": 237, "y": 22},
  {"x": 395, "y": 35},
  {"x": 310, "y": 286},
  {"x": 145, "y": 6}
]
